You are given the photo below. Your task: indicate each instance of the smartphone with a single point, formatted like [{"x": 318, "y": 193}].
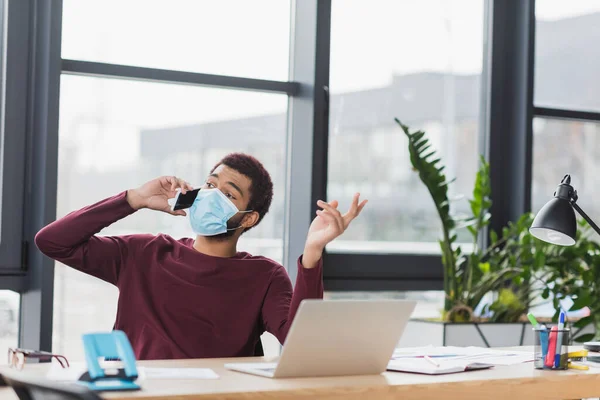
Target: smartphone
[{"x": 183, "y": 201}]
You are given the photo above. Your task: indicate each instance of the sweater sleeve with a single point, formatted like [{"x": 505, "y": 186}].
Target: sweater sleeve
[
  {"x": 280, "y": 304},
  {"x": 72, "y": 239}
]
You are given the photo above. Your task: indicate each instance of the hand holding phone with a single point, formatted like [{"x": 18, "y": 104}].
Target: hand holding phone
[
  {"x": 155, "y": 194},
  {"x": 183, "y": 201}
]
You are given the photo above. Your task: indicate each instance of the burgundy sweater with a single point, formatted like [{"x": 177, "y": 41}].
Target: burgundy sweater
[{"x": 174, "y": 301}]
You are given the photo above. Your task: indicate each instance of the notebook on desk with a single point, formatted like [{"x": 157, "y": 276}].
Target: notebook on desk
[{"x": 423, "y": 366}]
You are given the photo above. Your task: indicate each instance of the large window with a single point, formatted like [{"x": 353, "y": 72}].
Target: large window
[
  {"x": 566, "y": 147},
  {"x": 226, "y": 37},
  {"x": 567, "y": 99},
  {"x": 117, "y": 134},
  {"x": 420, "y": 62},
  {"x": 566, "y": 62}
]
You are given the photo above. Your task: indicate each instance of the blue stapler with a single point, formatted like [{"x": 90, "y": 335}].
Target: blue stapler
[{"x": 113, "y": 345}]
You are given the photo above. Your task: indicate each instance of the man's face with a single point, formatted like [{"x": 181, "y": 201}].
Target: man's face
[{"x": 236, "y": 187}]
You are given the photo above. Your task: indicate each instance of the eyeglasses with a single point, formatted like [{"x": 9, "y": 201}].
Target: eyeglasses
[{"x": 16, "y": 357}]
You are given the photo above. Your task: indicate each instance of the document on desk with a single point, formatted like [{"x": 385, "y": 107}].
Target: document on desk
[
  {"x": 57, "y": 373},
  {"x": 422, "y": 366},
  {"x": 466, "y": 354},
  {"x": 71, "y": 374},
  {"x": 176, "y": 373}
]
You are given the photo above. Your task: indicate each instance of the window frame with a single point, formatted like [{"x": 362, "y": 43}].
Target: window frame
[
  {"x": 14, "y": 117},
  {"x": 506, "y": 102},
  {"x": 560, "y": 113},
  {"x": 566, "y": 114}
]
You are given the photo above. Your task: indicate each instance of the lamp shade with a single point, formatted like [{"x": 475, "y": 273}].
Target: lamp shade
[{"x": 555, "y": 223}]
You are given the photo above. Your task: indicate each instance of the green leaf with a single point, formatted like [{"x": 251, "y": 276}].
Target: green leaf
[
  {"x": 583, "y": 322},
  {"x": 493, "y": 236},
  {"x": 421, "y": 151},
  {"x": 426, "y": 162},
  {"x": 540, "y": 259},
  {"x": 582, "y": 301},
  {"x": 585, "y": 338},
  {"x": 481, "y": 201},
  {"x": 423, "y": 146},
  {"x": 484, "y": 267},
  {"x": 546, "y": 293}
]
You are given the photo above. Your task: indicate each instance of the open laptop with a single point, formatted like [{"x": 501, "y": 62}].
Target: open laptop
[{"x": 338, "y": 337}]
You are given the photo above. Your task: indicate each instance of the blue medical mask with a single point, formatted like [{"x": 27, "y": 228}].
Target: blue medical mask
[{"x": 210, "y": 212}]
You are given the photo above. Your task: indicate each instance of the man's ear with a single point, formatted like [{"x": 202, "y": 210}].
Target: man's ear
[{"x": 250, "y": 219}]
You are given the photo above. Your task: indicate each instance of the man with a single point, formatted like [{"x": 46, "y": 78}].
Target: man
[{"x": 196, "y": 298}]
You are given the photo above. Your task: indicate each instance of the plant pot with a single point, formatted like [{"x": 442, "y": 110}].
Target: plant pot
[{"x": 420, "y": 332}]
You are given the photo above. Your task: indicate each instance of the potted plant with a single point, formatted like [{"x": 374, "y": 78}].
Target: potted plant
[{"x": 512, "y": 267}]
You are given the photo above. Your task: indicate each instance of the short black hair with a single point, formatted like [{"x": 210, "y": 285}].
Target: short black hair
[{"x": 261, "y": 186}]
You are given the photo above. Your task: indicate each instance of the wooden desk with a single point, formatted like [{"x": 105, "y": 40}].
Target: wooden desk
[{"x": 513, "y": 382}]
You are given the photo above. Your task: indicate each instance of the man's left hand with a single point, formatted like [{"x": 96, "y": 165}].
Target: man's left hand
[{"x": 329, "y": 224}]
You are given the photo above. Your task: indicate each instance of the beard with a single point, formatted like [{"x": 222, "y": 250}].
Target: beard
[{"x": 233, "y": 225}]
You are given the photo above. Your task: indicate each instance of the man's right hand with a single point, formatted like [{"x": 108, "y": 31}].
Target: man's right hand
[{"x": 156, "y": 193}]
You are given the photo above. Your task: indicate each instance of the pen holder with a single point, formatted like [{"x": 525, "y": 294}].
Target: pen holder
[{"x": 551, "y": 348}]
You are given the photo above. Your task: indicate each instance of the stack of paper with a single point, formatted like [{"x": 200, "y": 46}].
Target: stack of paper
[
  {"x": 422, "y": 366},
  {"x": 467, "y": 354},
  {"x": 444, "y": 360}
]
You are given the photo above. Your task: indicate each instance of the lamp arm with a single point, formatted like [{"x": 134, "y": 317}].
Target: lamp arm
[{"x": 586, "y": 217}]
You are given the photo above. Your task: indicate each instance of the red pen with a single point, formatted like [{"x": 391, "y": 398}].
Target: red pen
[{"x": 549, "y": 361}]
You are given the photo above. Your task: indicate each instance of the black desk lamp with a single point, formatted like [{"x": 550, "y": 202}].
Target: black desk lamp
[{"x": 555, "y": 223}]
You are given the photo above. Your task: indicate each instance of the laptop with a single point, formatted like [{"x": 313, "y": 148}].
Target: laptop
[{"x": 337, "y": 337}]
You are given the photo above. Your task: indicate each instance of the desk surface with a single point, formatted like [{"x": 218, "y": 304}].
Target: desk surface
[{"x": 511, "y": 382}]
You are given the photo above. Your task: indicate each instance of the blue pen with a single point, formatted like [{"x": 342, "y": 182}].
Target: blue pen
[
  {"x": 559, "y": 337},
  {"x": 544, "y": 340},
  {"x": 543, "y": 334}
]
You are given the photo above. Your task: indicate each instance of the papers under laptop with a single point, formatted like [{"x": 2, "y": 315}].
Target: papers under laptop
[{"x": 338, "y": 337}]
